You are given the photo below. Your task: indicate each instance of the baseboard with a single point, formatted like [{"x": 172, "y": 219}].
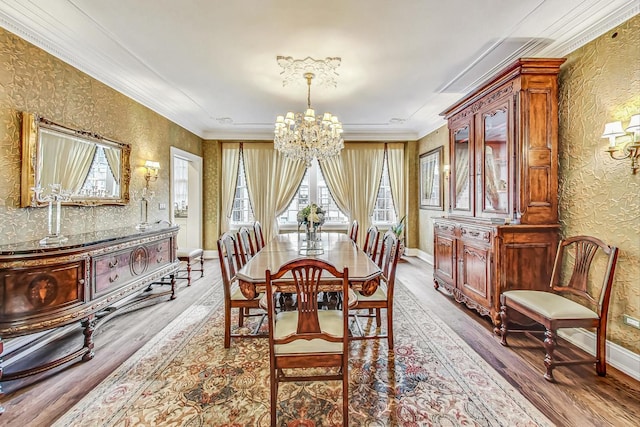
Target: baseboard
[
  {"x": 208, "y": 254},
  {"x": 426, "y": 257},
  {"x": 617, "y": 356}
]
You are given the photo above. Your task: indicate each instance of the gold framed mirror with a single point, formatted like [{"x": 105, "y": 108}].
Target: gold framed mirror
[{"x": 91, "y": 170}]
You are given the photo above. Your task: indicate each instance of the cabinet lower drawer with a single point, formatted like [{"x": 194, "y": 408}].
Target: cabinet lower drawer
[{"x": 475, "y": 234}]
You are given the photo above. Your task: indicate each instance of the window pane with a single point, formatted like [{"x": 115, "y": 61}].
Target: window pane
[
  {"x": 180, "y": 187},
  {"x": 242, "y": 212},
  {"x": 384, "y": 212}
]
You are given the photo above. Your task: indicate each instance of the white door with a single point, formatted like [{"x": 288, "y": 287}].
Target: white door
[{"x": 186, "y": 197}]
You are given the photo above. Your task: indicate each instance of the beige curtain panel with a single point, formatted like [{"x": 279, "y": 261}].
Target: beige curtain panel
[
  {"x": 272, "y": 181},
  {"x": 230, "y": 161},
  {"x": 353, "y": 178},
  {"x": 395, "y": 166},
  {"x": 70, "y": 173}
]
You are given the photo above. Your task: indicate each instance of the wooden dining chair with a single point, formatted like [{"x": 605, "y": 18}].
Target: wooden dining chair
[
  {"x": 245, "y": 243},
  {"x": 353, "y": 231},
  {"x": 258, "y": 235},
  {"x": 570, "y": 301},
  {"x": 382, "y": 298},
  {"x": 308, "y": 337},
  {"x": 371, "y": 242},
  {"x": 230, "y": 262}
]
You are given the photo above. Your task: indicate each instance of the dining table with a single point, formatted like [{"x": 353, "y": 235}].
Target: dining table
[{"x": 337, "y": 248}]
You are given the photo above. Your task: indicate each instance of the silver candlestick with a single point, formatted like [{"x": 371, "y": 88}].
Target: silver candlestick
[{"x": 145, "y": 198}]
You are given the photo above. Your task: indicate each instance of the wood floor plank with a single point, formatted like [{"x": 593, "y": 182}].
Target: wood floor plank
[{"x": 579, "y": 398}]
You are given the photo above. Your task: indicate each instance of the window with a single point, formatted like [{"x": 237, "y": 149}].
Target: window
[
  {"x": 242, "y": 212},
  {"x": 313, "y": 189},
  {"x": 383, "y": 211}
]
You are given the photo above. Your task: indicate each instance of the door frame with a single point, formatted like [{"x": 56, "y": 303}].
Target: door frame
[{"x": 195, "y": 193}]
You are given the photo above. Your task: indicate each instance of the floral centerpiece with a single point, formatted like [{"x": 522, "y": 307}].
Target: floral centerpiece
[{"x": 311, "y": 217}]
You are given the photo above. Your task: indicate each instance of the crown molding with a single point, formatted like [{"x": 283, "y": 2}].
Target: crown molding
[{"x": 595, "y": 30}]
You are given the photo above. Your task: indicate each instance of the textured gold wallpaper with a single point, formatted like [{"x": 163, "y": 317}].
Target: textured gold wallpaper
[
  {"x": 211, "y": 152},
  {"x": 34, "y": 81},
  {"x": 600, "y": 83},
  {"x": 435, "y": 139}
]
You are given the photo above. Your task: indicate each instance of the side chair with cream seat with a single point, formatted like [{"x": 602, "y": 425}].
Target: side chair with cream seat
[
  {"x": 572, "y": 300},
  {"x": 230, "y": 263},
  {"x": 382, "y": 298},
  {"x": 308, "y": 337}
]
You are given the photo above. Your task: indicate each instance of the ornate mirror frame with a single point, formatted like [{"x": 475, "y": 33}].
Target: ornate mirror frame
[{"x": 33, "y": 162}]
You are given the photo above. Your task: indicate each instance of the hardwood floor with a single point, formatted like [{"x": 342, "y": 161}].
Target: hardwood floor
[{"x": 578, "y": 398}]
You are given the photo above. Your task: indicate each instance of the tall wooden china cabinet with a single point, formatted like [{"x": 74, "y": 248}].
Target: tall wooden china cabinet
[{"x": 501, "y": 230}]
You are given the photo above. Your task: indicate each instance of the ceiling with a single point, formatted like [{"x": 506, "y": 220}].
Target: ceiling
[{"x": 210, "y": 65}]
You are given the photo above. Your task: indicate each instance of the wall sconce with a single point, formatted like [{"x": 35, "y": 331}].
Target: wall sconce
[
  {"x": 147, "y": 196},
  {"x": 152, "y": 171},
  {"x": 629, "y": 149}
]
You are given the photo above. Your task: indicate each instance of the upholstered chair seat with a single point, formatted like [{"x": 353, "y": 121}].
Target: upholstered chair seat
[
  {"x": 330, "y": 323},
  {"x": 550, "y": 305}
]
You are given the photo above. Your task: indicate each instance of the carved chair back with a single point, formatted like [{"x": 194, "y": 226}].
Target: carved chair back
[
  {"x": 258, "y": 235},
  {"x": 371, "y": 242},
  {"x": 247, "y": 250},
  {"x": 573, "y": 266},
  {"x": 353, "y": 231}
]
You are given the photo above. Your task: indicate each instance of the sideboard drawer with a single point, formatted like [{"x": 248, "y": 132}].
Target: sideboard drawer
[
  {"x": 113, "y": 270},
  {"x": 39, "y": 291},
  {"x": 476, "y": 234},
  {"x": 444, "y": 228}
]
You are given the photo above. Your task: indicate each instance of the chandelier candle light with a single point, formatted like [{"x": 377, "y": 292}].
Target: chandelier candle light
[{"x": 304, "y": 136}]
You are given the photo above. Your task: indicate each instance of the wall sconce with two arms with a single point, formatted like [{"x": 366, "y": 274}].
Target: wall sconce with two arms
[
  {"x": 152, "y": 171},
  {"x": 150, "y": 175},
  {"x": 627, "y": 149}
]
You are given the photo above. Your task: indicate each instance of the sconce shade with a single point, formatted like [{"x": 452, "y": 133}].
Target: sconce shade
[
  {"x": 149, "y": 164},
  {"x": 634, "y": 124},
  {"x": 613, "y": 129}
]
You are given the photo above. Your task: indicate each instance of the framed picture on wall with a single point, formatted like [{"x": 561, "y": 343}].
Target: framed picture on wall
[{"x": 431, "y": 188}]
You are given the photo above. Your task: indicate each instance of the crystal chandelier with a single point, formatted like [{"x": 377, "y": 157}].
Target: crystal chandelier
[{"x": 304, "y": 136}]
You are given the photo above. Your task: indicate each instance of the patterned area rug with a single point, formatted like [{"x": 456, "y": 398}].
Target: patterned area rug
[{"x": 185, "y": 377}]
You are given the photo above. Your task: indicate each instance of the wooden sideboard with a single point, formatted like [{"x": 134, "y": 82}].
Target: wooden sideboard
[{"x": 81, "y": 280}]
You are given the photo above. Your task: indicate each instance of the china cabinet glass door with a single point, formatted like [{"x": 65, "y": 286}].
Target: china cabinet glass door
[
  {"x": 493, "y": 192},
  {"x": 461, "y": 171}
]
